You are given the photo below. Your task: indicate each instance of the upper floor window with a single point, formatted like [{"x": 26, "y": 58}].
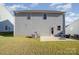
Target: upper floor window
[
  {"x": 58, "y": 27},
  {"x": 45, "y": 16},
  {"x": 28, "y": 16}
]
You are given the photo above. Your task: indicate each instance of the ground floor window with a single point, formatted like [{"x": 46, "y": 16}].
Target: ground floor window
[
  {"x": 58, "y": 27},
  {"x": 52, "y": 30},
  {"x": 6, "y": 27}
]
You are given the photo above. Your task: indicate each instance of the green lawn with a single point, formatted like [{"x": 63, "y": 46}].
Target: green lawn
[{"x": 23, "y": 46}]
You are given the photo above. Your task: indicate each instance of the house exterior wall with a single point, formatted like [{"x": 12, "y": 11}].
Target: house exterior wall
[
  {"x": 24, "y": 26},
  {"x": 73, "y": 28},
  {"x": 5, "y": 23}
]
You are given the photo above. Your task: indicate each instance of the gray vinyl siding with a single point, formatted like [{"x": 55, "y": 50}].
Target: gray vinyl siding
[{"x": 23, "y": 26}]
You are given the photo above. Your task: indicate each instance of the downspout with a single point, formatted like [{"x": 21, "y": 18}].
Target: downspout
[{"x": 64, "y": 23}]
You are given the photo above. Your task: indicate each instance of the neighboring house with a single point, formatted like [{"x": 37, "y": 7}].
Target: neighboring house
[
  {"x": 6, "y": 19},
  {"x": 6, "y": 26},
  {"x": 73, "y": 28},
  {"x": 41, "y": 22}
]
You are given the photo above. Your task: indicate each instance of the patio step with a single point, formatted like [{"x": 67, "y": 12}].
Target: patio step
[{"x": 49, "y": 38}]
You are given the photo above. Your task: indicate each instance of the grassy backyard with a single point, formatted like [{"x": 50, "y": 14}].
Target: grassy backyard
[{"x": 24, "y": 46}]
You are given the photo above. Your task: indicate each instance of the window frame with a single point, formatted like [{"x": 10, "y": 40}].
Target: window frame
[
  {"x": 44, "y": 16},
  {"x": 28, "y": 16},
  {"x": 6, "y": 27},
  {"x": 59, "y": 28}
]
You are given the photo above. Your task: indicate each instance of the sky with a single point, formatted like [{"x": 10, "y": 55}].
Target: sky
[{"x": 71, "y": 9}]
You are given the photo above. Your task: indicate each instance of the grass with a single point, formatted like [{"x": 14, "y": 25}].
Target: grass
[{"x": 30, "y": 46}]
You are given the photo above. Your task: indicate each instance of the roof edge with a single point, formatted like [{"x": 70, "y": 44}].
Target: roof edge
[{"x": 38, "y": 11}]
